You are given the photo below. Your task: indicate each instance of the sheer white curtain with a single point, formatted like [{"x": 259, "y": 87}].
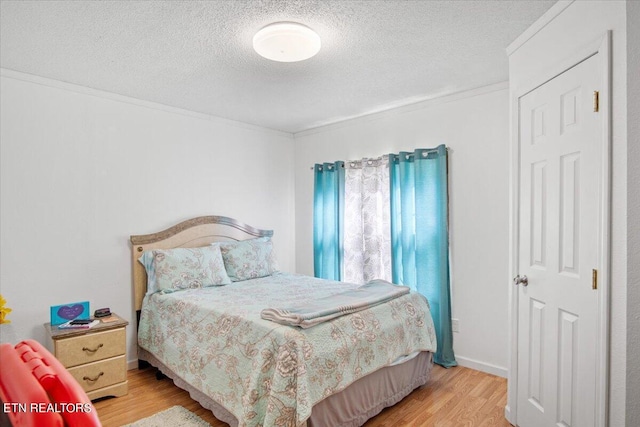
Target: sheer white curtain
[{"x": 367, "y": 236}]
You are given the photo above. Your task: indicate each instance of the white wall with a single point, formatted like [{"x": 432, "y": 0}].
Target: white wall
[
  {"x": 82, "y": 170},
  {"x": 581, "y": 23},
  {"x": 633, "y": 214},
  {"x": 475, "y": 127}
]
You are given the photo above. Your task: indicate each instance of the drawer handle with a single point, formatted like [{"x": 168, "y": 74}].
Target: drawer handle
[
  {"x": 92, "y": 350},
  {"x": 93, "y": 379}
]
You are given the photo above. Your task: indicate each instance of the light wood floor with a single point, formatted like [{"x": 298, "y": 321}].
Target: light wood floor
[{"x": 452, "y": 397}]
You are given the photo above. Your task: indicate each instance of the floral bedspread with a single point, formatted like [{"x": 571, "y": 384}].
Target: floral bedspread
[{"x": 268, "y": 374}]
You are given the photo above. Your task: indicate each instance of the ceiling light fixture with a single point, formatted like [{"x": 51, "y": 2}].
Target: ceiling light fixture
[{"x": 286, "y": 42}]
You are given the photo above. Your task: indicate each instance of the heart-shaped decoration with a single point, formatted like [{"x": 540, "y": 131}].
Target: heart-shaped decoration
[{"x": 70, "y": 312}]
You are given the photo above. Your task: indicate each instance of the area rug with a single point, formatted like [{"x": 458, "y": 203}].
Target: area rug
[{"x": 176, "y": 416}]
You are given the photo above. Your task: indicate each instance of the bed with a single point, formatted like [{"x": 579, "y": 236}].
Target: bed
[{"x": 250, "y": 371}]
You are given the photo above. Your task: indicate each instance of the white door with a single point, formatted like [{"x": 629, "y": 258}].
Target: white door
[{"x": 560, "y": 176}]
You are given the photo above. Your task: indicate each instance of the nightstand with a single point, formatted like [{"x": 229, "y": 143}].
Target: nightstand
[{"x": 95, "y": 357}]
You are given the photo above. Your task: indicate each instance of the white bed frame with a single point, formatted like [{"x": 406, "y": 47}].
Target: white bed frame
[{"x": 192, "y": 233}]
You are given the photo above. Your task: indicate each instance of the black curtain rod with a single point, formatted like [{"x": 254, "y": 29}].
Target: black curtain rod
[{"x": 377, "y": 159}]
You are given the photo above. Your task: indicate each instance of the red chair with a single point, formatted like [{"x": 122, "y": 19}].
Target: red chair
[{"x": 36, "y": 390}]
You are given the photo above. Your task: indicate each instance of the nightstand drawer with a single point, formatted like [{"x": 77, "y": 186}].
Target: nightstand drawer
[
  {"x": 91, "y": 347},
  {"x": 93, "y": 376}
]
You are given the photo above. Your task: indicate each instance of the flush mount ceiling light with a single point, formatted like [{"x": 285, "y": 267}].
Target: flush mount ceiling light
[{"x": 286, "y": 42}]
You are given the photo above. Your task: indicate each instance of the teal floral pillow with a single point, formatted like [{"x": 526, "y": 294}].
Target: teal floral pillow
[
  {"x": 171, "y": 270},
  {"x": 248, "y": 259}
]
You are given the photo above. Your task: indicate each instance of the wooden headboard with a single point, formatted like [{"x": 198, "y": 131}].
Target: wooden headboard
[{"x": 192, "y": 233}]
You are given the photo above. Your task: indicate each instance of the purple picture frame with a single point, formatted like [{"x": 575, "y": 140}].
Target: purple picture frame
[{"x": 63, "y": 313}]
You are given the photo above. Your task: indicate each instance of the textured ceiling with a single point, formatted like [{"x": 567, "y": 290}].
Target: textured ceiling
[{"x": 198, "y": 55}]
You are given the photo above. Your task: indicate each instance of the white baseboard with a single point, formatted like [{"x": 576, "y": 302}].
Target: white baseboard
[
  {"x": 482, "y": 366},
  {"x": 507, "y": 415},
  {"x": 132, "y": 364}
]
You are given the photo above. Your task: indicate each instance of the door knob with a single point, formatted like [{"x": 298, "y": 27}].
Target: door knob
[{"x": 520, "y": 280}]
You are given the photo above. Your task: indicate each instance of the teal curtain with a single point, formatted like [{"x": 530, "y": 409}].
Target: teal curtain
[
  {"x": 328, "y": 217},
  {"x": 419, "y": 235}
]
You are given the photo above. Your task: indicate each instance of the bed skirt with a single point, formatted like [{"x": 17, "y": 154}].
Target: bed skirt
[{"x": 351, "y": 407}]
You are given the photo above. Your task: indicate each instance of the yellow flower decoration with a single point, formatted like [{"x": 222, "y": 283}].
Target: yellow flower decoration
[{"x": 4, "y": 310}]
